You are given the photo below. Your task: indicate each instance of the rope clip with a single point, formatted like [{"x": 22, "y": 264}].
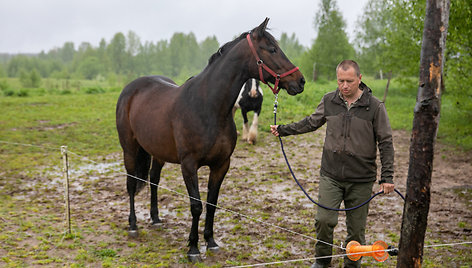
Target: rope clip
[{"x": 276, "y": 102}]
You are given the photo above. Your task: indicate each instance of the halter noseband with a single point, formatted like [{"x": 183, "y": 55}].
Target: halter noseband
[{"x": 261, "y": 65}]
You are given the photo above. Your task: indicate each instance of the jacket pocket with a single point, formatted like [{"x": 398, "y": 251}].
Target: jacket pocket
[{"x": 361, "y": 139}]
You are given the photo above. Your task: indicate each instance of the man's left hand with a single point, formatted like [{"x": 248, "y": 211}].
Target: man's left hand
[{"x": 387, "y": 187}]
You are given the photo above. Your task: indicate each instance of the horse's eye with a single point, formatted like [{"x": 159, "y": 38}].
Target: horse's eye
[{"x": 272, "y": 50}]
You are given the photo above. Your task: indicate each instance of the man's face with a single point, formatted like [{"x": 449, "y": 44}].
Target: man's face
[{"x": 348, "y": 82}]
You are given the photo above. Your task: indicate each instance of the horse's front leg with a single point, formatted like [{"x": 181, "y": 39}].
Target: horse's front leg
[
  {"x": 245, "y": 124},
  {"x": 189, "y": 172},
  {"x": 217, "y": 174},
  {"x": 252, "y": 136}
]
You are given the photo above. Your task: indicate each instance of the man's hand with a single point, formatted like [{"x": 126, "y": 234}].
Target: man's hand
[
  {"x": 273, "y": 130},
  {"x": 387, "y": 187}
]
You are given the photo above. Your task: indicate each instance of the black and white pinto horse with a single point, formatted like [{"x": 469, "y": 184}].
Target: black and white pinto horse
[{"x": 249, "y": 99}]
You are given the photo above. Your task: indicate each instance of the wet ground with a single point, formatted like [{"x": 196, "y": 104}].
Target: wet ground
[{"x": 264, "y": 217}]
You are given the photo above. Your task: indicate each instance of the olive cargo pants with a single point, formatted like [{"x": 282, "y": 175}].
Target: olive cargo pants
[{"x": 331, "y": 194}]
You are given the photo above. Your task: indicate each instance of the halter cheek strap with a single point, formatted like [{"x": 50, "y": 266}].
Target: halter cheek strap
[{"x": 260, "y": 65}]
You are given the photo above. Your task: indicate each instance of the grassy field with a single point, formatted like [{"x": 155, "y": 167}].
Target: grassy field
[
  {"x": 35, "y": 123},
  {"x": 70, "y": 97}
]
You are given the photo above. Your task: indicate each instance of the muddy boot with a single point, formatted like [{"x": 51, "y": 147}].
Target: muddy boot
[{"x": 318, "y": 265}]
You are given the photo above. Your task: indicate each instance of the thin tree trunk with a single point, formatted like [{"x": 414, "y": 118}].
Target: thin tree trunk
[
  {"x": 423, "y": 136},
  {"x": 386, "y": 87}
]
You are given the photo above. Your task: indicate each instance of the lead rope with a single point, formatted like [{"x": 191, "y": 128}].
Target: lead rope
[{"x": 276, "y": 103}]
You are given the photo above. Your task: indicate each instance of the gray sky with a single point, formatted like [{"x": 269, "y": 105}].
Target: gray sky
[{"x": 30, "y": 26}]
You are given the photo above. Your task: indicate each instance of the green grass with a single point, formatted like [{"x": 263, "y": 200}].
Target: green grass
[
  {"x": 60, "y": 118},
  {"x": 83, "y": 122}
]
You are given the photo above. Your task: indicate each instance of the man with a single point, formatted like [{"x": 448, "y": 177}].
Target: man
[{"x": 357, "y": 123}]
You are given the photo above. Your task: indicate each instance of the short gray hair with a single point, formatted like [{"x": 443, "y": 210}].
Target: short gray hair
[{"x": 345, "y": 64}]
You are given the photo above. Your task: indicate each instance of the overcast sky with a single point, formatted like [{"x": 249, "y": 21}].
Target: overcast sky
[{"x": 30, "y": 26}]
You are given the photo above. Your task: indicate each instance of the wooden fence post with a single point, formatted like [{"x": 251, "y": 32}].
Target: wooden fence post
[
  {"x": 425, "y": 125},
  {"x": 65, "y": 162}
]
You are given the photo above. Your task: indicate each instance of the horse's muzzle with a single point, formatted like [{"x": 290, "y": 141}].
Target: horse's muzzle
[{"x": 296, "y": 87}]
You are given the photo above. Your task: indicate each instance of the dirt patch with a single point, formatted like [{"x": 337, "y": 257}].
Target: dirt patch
[{"x": 263, "y": 215}]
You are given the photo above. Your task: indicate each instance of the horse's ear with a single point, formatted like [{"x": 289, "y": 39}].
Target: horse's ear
[
  {"x": 263, "y": 25},
  {"x": 261, "y": 28}
]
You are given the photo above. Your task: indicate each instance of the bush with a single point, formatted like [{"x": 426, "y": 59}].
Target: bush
[
  {"x": 8, "y": 92},
  {"x": 18, "y": 93},
  {"x": 31, "y": 79},
  {"x": 94, "y": 90},
  {"x": 4, "y": 85}
]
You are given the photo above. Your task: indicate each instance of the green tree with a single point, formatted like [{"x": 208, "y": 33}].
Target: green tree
[
  {"x": 90, "y": 67},
  {"x": 370, "y": 36},
  {"x": 162, "y": 58},
  {"x": 2, "y": 70},
  {"x": 133, "y": 43},
  {"x": 116, "y": 51},
  {"x": 17, "y": 64},
  {"x": 30, "y": 79},
  {"x": 292, "y": 47},
  {"x": 102, "y": 55},
  {"x": 35, "y": 78},
  {"x": 67, "y": 52},
  {"x": 459, "y": 51},
  {"x": 331, "y": 44},
  {"x": 184, "y": 51},
  {"x": 403, "y": 39},
  {"x": 207, "y": 47},
  {"x": 27, "y": 63},
  {"x": 402, "y": 48}
]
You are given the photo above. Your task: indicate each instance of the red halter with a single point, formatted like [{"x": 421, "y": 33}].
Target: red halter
[{"x": 261, "y": 65}]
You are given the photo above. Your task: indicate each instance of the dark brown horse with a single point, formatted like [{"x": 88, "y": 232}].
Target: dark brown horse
[{"x": 193, "y": 125}]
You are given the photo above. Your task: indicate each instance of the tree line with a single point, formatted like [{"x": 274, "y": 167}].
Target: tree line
[
  {"x": 387, "y": 39},
  {"x": 123, "y": 55}
]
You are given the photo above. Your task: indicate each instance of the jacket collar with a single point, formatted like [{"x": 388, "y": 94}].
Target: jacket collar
[{"x": 363, "y": 101}]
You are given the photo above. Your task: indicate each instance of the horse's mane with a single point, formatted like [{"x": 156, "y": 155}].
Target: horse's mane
[
  {"x": 225, "y": 48},
  {"x": 230, "y": 44}
]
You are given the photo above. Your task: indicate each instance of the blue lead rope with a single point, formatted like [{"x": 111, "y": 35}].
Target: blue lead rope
[{"x": 301, "y": 187}]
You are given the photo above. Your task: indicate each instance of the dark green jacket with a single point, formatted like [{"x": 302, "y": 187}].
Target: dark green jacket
[{"x": 352, "y": 137}]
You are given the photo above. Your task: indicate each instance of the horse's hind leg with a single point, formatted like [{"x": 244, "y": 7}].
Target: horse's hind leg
[
  {"x": 217, "y": 174},
  {"x": 155, "y": 177},
  {"x": 137, "y": 164}
]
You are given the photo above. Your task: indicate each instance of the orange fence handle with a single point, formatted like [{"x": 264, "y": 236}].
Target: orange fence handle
[{"x": 378, "y": 250}]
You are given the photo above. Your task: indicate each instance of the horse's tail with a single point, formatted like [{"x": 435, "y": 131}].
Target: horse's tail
[{"x": 143, "y": 163}]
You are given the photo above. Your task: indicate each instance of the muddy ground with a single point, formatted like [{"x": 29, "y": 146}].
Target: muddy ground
[{"x": 263, "y": 217}]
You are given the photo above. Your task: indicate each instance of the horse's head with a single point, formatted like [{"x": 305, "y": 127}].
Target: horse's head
[{"x": 271, "y": 63}]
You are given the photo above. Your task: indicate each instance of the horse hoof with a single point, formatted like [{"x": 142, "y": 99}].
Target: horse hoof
[
  {"x": 157, "y": 225},
  {"x": 214, "y": 249},
  {"x": 194, "y": 258},
  {"x": 133, "y": 233}
]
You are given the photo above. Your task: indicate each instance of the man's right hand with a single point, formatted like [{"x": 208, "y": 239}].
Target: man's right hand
[{"x": 273, "y": 130}]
